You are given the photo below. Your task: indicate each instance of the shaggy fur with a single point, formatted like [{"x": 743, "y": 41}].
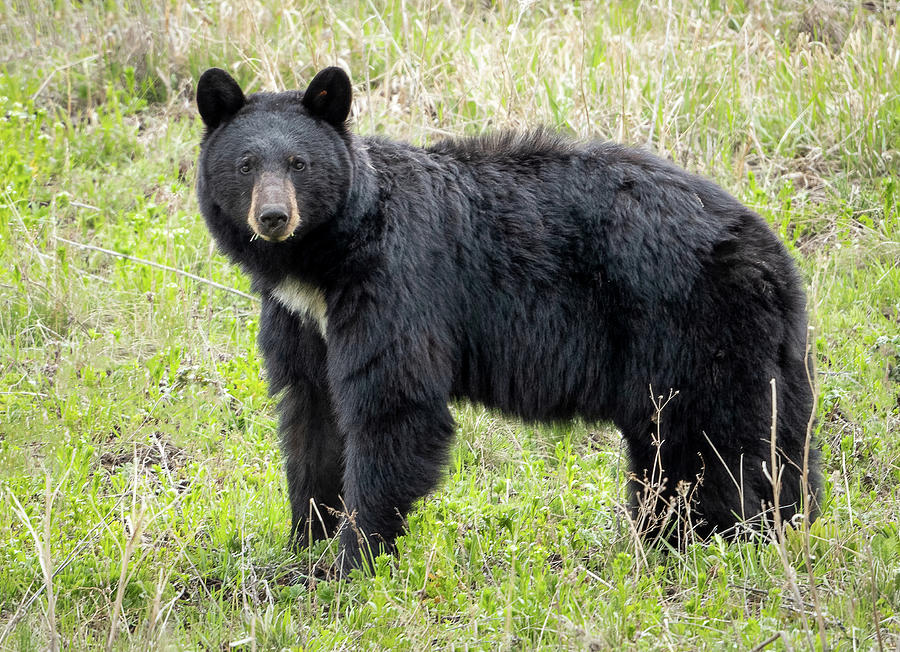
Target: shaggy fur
[{"x": 542, "y": 277}]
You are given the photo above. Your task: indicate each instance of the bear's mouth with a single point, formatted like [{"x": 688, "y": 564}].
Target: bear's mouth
[
  {"x": 277, "y": 235},
  {"x": 273, "y": 214}
]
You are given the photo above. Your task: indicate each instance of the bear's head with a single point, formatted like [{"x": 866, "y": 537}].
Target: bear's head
[{"x": 272, "y": 165}]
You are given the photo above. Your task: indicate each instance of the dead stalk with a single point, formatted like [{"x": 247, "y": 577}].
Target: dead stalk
[
  {"x": 778, "y": 526},
  {"x": 42, "y": 545},
  {"x": 875, "y": 615},
  {"x": 47, "y": 565},
  {"x": 807, "y": 496},
  {"x": 130, "y": 545}
]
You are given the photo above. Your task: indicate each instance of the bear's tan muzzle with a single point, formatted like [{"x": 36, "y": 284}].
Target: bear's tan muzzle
[{"x": 273, "y": 212}]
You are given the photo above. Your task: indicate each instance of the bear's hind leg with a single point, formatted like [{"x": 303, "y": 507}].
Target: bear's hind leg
[
  {"x": 747, "y": 460},
  {"x": 704, "y": 465}
]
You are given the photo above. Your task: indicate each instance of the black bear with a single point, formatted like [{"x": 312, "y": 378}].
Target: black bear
[{"x": 543, "y": 277}]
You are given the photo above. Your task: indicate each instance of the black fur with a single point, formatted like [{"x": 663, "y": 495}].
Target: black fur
[{"x": 531, "y": 274}]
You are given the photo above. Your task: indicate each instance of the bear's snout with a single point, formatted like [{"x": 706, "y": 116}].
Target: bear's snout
[{"x": 273, "y": 208}]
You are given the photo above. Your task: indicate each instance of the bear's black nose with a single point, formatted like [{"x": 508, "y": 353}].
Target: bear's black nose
[{"x": 273, "y": 216}]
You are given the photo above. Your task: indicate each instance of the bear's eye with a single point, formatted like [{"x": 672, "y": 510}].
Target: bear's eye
[
  {"x": 245, "y": 164},
  {"x": 297, "y": 163}
]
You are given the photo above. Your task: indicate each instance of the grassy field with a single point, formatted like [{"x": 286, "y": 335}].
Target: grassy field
[{"x": 142, "y": 503}]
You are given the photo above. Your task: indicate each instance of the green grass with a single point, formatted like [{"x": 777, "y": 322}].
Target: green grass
[{"x": 142, "y": 502}]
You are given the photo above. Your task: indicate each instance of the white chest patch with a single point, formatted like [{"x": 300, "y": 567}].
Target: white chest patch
[{"x": 304, "y": 300}]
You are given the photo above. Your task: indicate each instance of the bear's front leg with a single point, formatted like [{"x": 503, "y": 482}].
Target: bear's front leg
[
  {"x": 392, "y": 459},
  {"x": 311, "y": 443},
  {"x": 312, "y": 449}
]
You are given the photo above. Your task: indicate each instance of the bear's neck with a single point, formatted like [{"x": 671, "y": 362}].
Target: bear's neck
[{"x": 362, "y": 199}]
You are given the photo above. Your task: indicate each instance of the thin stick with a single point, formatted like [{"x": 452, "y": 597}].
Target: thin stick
[
  {"x": 766, "y": 643},
  {"x": 58, "y": 69},
  {"x": 165, "y": 268}
]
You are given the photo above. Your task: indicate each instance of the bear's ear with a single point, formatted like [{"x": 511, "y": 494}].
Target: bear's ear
[
  {"x": 218, "y": 97},
  {"x": 328, "y": 97}
]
